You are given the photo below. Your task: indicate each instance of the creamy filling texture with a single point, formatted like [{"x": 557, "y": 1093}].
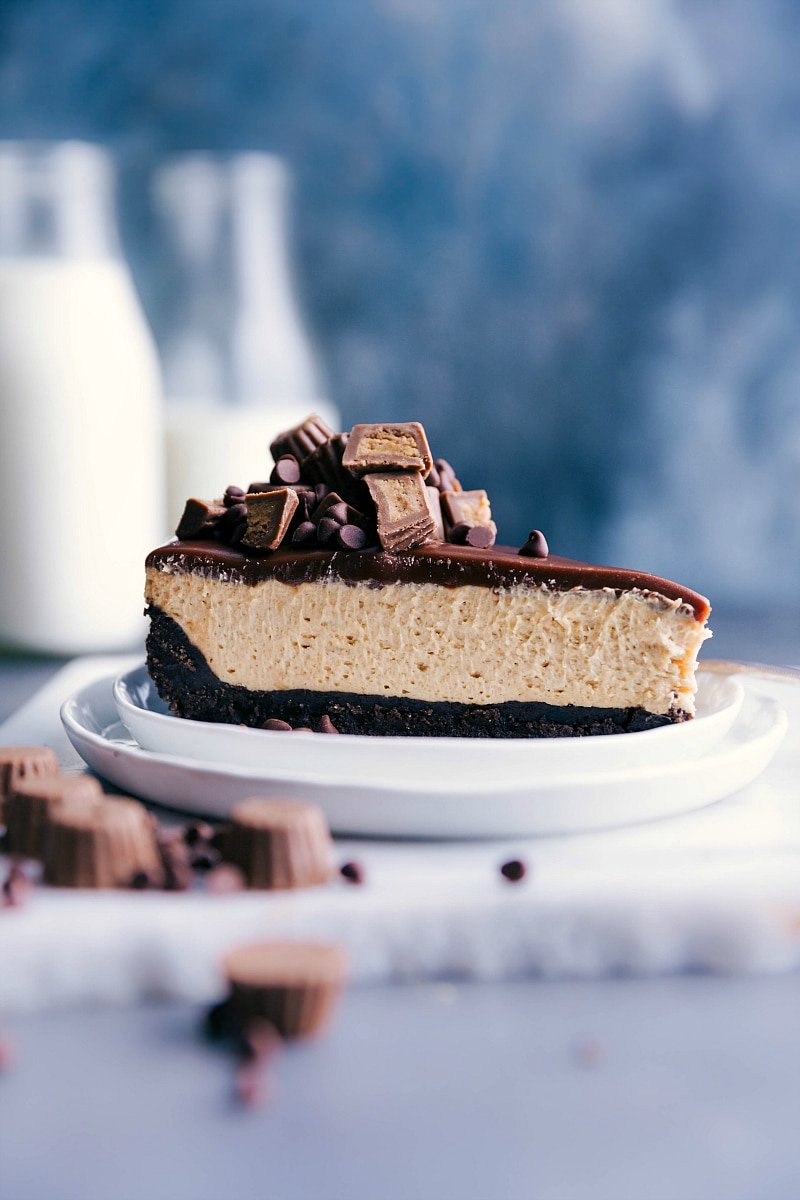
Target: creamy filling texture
[{"x": 468, "y": 645}]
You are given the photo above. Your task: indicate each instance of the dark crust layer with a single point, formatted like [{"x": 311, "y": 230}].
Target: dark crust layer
[
  {"x": 186, "y": 682},
  {"x": 439, "y": 563}
]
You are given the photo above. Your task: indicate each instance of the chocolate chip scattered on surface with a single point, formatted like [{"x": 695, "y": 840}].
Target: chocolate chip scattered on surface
[
  {"x": 353, "y": 872},
  {"x": 514, "y": 870}
]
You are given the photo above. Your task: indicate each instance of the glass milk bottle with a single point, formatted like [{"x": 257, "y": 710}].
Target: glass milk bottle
[
  {"x": 238, "y": 364},
  {"x": 80, "y": 438}
]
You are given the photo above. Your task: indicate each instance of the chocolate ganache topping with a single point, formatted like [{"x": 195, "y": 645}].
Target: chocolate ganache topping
[{"x": 439, "y": 563}]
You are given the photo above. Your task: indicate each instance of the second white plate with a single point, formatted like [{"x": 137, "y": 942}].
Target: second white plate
[{"x": 499, "y": 763}]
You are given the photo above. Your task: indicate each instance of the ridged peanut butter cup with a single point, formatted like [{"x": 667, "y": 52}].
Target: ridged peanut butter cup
[
  {"x": 279, "y": 844},
  {"x": 24, "y": 762},
  {"x": 104, "y": 844},
  {"x": 32, "y": 803},
  {"x": 293, "y": 985}
]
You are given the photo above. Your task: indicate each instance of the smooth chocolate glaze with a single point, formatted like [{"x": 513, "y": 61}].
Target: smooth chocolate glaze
[
  {"x": 436, "y": 562},
  {"x": 185, "y": 680}
]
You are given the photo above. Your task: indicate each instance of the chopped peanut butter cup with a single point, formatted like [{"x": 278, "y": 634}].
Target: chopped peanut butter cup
[
  {"x": 402, "y": 507},
  {"x": 401, "y": 447}
]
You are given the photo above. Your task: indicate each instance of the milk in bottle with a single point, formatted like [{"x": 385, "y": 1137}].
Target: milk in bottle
[{"x": 80, "y": 437}]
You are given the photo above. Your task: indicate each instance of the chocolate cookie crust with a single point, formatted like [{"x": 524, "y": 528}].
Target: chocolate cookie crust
[{"x": 180, "y": 670}]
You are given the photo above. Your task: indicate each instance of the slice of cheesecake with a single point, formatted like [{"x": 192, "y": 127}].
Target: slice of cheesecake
[{"x": 440, "y": 639}]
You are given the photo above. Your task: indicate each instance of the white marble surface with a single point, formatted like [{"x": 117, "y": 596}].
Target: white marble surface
[{"x": 717, "y": 890}]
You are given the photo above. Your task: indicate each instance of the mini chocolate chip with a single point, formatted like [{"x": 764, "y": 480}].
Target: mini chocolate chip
[
  {"x": 205, "y": 860},
  {"x": 286, "y": 470},
  {"x": 305, "y": 533},
  {"x": 337, "y": 512},
  {"x": 326, "y": 725},
  {"x": 218, "y": 1021},
  {"x": 140, "y": 881},
  {"x": 198, "y": 831},
  {"x": 353, "y": 872},
  {"x": 276, "y": 725},
  {"x": 514, "y": 870},
  {"x": 458, "y": 534},
  {"x": 536, "y": 545},
  {"x": 351, "y": 537},
  {"x": 480, "y": 536},
  {"x": 321, "y": 490},
  {"x": 237, "y": 533},
  {"x": 327, "y": 530},
  {"x": 433, "y": 478},
  {"x": 233, "y": 495}
]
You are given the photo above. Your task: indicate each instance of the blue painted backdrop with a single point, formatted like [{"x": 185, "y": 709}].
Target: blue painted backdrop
[{"x": 563, "y": 232}]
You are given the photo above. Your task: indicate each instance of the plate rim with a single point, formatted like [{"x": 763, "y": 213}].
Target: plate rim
[
  {"x": 780, "y": 719},
  {"x": 121, "y": 692}
]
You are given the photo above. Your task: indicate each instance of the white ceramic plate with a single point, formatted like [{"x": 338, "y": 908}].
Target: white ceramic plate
[
  {"x": 437, "y": 762},
  {"x": 412, "y": 806}
]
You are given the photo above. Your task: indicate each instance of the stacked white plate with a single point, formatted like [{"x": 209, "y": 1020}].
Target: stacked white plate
[{"x": 431, "y": 787}]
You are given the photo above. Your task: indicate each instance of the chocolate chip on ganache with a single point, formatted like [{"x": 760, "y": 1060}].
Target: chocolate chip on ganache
[
  {"x": 286, "y": 470},
  {"x": 536, "y": 545},
  {"x": 321, "y": 490},
  {"x": 352, "y": 872},
  {"x": 275, "y": 725},
  {"x": 233, "y": 495},
  {"x": 514, "y": 870},
  {"x": 305, "y": 534},
  {"x": 326, "y": 725},
  {"x": 327, "y": 530},
  {"x": 351, "y": 537},
  {"x": 338, "y": 512}
]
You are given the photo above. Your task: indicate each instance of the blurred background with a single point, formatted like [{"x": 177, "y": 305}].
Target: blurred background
[{"x": 559, "y": 232}]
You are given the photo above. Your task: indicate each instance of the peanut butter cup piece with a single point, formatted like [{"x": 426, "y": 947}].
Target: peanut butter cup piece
[
  {"x": 301, "y": 440},
  {"x": 18, "y": 763},
  {"x": 293, "y": 985},
  {"x": 402, "y": 509},
  {"x": 467, "y": 508},
  {"x": 386, "y": 447},
  {"x": 105, "y": 844},
  {"x": 200, "y": 518},
  {"x": 268, "y": 516},
  {"x": 279, "y": 844},
  {"x": 32, "y": 802}
]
